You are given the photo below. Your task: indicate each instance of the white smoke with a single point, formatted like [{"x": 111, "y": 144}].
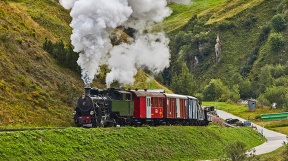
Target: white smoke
[
  {"x": 67, "y": 4},
  {"x": 150, "y": 10},
  {"x": 93, "y": 21},
  {"x": 148, "y": 50}
]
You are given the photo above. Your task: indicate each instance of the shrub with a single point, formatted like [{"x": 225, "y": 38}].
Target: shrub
[
  {"x": 277, "y": 71},
  {"x": 236, "y": 151},
  {"x": 278, "y": 22},
  {"x": 225, "y": 25},
  {"x": 274, "y": 94},
  {"x": 276, "y": 42},
  {"x": 249, "y": 21},
  {"x": 216, "y": 91},
  {"x": 65, "y": 56},
  {"x": 264, "y": 34},
  {"x": 247, "y": 66}
]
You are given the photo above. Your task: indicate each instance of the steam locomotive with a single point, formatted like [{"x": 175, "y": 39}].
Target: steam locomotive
[{"x": 111, "y": 107}]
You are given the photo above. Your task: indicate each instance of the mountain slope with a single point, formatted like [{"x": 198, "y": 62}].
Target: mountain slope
[
  {"x": 245, "y": 29},
  {"x": 35, "y": 89}
]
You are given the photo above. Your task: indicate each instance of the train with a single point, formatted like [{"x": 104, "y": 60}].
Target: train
[{"x": 117, "y": 107}]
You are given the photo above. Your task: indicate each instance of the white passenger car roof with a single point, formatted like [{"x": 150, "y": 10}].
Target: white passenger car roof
[
  {"x": 175, "y": 96},
  {"x": 191, "y": 97}
]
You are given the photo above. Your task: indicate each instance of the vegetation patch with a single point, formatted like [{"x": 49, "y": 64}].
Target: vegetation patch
[{"x": 124, "y": 143}]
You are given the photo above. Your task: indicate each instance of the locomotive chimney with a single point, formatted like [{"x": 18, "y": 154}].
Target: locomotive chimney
[{"x": 87, "y": 91}]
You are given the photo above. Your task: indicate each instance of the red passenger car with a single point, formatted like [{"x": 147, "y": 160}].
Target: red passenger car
[{"x": 148, "y": 105}]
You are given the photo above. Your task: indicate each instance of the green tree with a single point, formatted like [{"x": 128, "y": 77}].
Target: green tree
[
  {"x": 278, "y": 22},
  {"x": 66, "y": 57},
  {"x": 265, "y": 78},
  {"x": 167, "y": 76},
  {"x": 275, "y": 94},
  {"x": 245, "y": 89},
  {"x": 234, "y": 93},
  {"x": 184, "y": 82},
  {"x": 215, "y": 91},
  {"x": 276, "y": 42},
  {"x": 265, "y": 30},
  {"x": 235, "y": 79}
]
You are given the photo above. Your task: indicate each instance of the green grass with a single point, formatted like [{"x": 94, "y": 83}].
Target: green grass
[
  {"x": 229, "y": 9},
  {"x": 276, "y": 155},
  {"x": 125, "y": 143},
  {"x": 183, "y": 13},
  {"x": 282, "y": 129},
  {"x": 217, "y": 10}
]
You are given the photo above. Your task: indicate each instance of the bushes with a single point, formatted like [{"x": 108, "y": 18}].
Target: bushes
[
  {"x": 278, "y": 22},
  {"x": 237, "y": 152},
  {"x": 264, "y": 34},
  {"x": 226, "y": 25},
  {"x": 216, "y": 90},
  {"x": 184, "y": 82},
  {"x": 247, "y": 66},
  {"x": 274, "y": 94},
  {"x": 276, "y": 42},
  {"x": 66, "y": 57}
]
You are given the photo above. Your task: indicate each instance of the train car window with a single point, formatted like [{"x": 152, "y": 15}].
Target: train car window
[
  {"x": 154, "y": 102},
  {"x": 128, "y": 97},
  {"x": 117, "y": 96},
  {"x": 160, "y": 102}
]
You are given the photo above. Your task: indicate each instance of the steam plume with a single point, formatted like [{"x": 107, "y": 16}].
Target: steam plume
[
  {"x": 93, "y": 21},
  {"x": 148, "y": 50}
]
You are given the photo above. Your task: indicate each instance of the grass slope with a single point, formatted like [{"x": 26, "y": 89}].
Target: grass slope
[
  {"x": 125, "y": 143},
  {"x": 183, "y": 13},
  {"x": 34, "y": 89},
  {"x": 217, "y": 10}
]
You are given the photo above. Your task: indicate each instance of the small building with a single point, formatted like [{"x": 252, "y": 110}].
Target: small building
[{"x": 251, "y": 105}]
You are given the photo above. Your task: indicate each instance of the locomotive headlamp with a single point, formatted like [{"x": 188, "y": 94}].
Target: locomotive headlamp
[
  {"x": 74, "y": 112},
  {"x": 91, "y": 112}
]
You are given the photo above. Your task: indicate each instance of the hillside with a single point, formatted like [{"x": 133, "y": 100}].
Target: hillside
[
  {"x": 124, "y": 143},
  {"x": 34, "y": 85},
  {"x": 35, "y": 88},
  {"x": 253, "y": 40}
]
